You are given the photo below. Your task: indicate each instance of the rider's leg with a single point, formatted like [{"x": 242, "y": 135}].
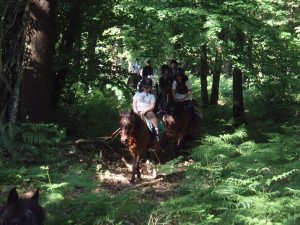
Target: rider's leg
[
  {"x": 191, "y": 109},
  {"x": 150, "y": 115}
]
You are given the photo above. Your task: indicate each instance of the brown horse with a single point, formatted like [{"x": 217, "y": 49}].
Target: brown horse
[
  {"x": 138, "y": 138},
  {"x": 22, "y": 211},
  {"x": 179, "y": 124}
]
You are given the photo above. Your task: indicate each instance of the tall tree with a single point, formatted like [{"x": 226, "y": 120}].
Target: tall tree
[
  {"x": 237, "y": 75},
  {"x": 216, "y": 72},
  {"x": 37, "y": 82},
  {"x": 203, "y": 75}
]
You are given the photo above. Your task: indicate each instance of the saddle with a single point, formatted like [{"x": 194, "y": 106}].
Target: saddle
[{"x": 150, "y": 126}]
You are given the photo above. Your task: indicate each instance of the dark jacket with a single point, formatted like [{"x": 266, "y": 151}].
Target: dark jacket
[
  {"x": 147, "y": 70},
  {"x": 165, "y": 84}
]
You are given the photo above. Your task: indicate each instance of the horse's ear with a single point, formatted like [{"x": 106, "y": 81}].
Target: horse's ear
[
  {"x": 13, "y": 196},
  {"x": 35, "y": 197},
  {"x": 131, "y": 111}
]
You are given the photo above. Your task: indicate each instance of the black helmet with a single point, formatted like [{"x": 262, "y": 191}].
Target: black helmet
[
  {"x": 164, "y": 67},
  {"x": 180, "y": 72},
  {"x": 173, "y": 61},
  {"x": 146, "y": 82}
]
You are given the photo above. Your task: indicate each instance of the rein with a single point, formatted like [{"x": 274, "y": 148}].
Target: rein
[{"x": 116, "y": 132}]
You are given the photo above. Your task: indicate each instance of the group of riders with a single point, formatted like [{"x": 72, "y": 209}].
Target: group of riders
[{"x": 175, "y": 88}]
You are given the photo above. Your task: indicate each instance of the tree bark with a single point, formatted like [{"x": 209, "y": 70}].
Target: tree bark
[
  {"x": 203, "y": 76},
  {"x": 37, "y": 83},
  {"x": 237, "y": 88},
  {"x": 238, "y": 101},
  {"x": 214, "y": 97}
]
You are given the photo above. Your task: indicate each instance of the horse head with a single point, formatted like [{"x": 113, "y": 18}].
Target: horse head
[
  {"x": 127, "y": 122},
  {"x": 21, "y": 211},
  {"x": 169, "y": 119}
]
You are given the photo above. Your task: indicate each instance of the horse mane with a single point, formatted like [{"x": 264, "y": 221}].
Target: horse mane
[{"x": 130, "y": 115}]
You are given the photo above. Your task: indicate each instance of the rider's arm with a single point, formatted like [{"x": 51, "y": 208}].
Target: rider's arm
[
  {"x": 134, "y": 104},
  {"x": 174, "y": 89},
  {"x": 189, "y": 86},
  {"x": 150, "y": 108}
]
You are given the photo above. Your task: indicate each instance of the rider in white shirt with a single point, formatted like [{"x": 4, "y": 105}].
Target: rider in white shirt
[{"x": 144, "y": 102}]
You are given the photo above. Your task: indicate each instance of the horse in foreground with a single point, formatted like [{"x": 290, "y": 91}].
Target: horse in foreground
[
  {"x": 179, "y": 124},
  {"x": 22, "y": 211},
  {"x": 138, "y": 138}
]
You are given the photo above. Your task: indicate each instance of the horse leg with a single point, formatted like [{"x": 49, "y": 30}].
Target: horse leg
[
  {"x": 138, "y": 173},
  {"x": 135, "y": 169},
  {"x": 178, "y": 145}
]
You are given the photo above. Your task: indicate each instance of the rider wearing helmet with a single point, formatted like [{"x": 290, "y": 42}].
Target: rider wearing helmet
[
  {"x": 165, "y": 81},
  {"x": 144, "y": 102},
  {"x": 182, "y": 91},
  {"x": 147, "y": 69},
  {"x": 165, "y": 87},
  {"x": 173, "y": 68}
]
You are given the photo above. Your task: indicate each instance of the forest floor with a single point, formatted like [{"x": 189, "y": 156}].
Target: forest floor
[{"x": 246, "y": 175}]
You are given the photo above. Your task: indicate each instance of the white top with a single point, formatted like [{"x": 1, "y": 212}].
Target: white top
[
  {"x": 143, "y": 100},
  {"x": 181, "y": 96}
]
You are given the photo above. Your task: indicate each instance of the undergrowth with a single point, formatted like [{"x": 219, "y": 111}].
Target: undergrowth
[
  {"x": 239, "y": 180},
  {"x": 240, "y": 175}
]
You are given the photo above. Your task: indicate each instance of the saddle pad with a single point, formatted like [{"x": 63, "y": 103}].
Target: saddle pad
[
  {"x": 161, "y": 125},
  {"x": 148, "y": 122}
]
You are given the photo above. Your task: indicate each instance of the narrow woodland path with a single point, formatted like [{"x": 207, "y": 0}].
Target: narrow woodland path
[{"x": 114, "y": 164}]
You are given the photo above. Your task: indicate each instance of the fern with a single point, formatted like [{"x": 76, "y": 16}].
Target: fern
[
  {"x": 283, "y": 178},
  {"x": 29, "y": 140}
]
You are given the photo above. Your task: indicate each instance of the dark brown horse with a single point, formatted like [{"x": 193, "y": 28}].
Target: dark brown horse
[
  {"x": 179, "y": 124},
  {"x": 138, "y": 138},
  {"x": 21, "y": 211}
]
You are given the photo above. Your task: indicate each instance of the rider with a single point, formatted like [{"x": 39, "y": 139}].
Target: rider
[
  {"x": 173, "y": 68},
  {"x": 144, "y": 102},
  {"x": 165, "y": 85},
  {"x": 145, "y": 72},
  {"x": 147, "y": 69},
  {"x": 182, "y": 91}
]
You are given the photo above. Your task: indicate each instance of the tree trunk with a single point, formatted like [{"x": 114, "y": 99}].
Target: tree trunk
[
  {"x": 91, "y": 45},
  {"x": 238, "y": 101},
  {"x": 69, "y": 38},
  {"x": 11, "y": 54},
  {"x": 237, "y": 88},
  {"x": 37, "y": 83},
  {"x": 203, "y": 76},
  {"x": 214, "y": 97},
  {"x": 249, "y": 61}
]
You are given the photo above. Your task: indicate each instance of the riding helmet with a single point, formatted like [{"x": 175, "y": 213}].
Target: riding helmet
[{"x": 146, "y": 82}]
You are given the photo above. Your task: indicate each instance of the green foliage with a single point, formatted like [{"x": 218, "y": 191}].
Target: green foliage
[
  {"x": 92, "y": 114},
  {"x": 235, "y": 180},
  {"x": 30, "y": 141}
]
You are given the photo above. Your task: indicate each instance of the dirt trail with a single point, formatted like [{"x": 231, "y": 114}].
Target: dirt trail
[{"x": 114, "y": 163}]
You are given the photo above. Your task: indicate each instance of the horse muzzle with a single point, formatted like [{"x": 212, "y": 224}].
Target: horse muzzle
[{"x": 124, "y": 141}]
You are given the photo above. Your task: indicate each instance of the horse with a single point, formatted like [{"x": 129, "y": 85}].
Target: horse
[
  {"x": 179, "y": 124},
  {"x": 22, "y": 211},
  {"x": 138, "y": 138}
]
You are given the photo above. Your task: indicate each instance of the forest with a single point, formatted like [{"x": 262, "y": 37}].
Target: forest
[{"x": 67, "y": 75}]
